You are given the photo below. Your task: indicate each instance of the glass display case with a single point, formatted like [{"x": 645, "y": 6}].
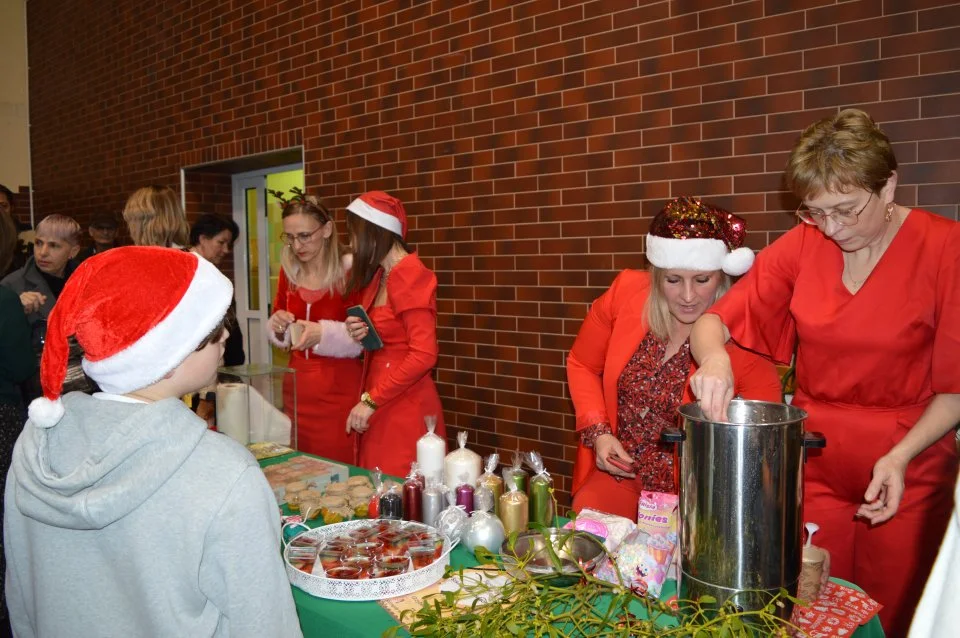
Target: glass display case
[{"x": 250, "y": 404}]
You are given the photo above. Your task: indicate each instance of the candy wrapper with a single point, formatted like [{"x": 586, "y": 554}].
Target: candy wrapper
[
  {"x": 838, "y": 612},
  {"x": 610, "y": 527},
  {"x": 644, "y": 555},
  {"x": 452, "y": 519}
]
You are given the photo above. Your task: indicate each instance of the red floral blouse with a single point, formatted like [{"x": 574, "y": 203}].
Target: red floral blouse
[{"x": 648, "y": 394}]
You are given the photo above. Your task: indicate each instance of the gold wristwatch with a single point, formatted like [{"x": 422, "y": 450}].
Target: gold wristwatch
[{"x": 368, "y": 401}]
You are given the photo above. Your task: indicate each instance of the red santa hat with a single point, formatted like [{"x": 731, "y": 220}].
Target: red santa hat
[
  {"x": 381, "y": 209},
  {"x": 688, "y": 234},
  {"x": 137, "y": 312}
]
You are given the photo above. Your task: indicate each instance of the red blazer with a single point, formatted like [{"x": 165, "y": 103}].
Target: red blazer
[{"x": 609, "y": 337}]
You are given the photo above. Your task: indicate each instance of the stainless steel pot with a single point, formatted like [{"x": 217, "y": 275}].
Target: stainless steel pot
[{"x": 741, "y": 500}]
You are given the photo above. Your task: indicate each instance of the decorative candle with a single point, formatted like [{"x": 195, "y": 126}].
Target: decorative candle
[
  {"x": 465, "y": 494},
  {"x": 515, "y": 474},
  {"x": 541, "y": 492},
  {"x": 432, "y": 501},
  {"x": 492, "y": 482},
  {"x": 483, "y": 499},
  {"x": 431, "y": 451},
  {"x": 461, "y": 461},
  {"x": 452, "y": 519},
  {"x": 391, "y": 504},
  {"x": 514, "y": 510},
  {"x": 412, "y": 495}
]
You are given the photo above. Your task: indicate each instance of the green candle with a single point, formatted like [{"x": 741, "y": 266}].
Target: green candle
[
  {"x": 541, "y": 492},
  {"x": 516, "y": 474}
]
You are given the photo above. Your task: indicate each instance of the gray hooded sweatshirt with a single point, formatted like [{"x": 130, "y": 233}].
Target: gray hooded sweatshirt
[{"x": 130, "y": 519}]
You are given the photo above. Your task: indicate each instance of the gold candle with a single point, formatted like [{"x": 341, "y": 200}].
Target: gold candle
[
  {"x": 491, "y": 481},
  {"x": 514, "y": 511}
]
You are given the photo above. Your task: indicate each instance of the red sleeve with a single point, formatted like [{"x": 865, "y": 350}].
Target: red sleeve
[
  {"x": 946, "y": 340},
  {"x": 756, "y": 377},
  {"x": 587, "y": 358},
  {"x": 756, "y": 310},
  {"x": 412, "y": 293},
  {"x": 280, "y": 301}
]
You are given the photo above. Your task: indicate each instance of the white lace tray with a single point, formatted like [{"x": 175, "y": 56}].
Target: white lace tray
[{"x": 369, "y": 589}]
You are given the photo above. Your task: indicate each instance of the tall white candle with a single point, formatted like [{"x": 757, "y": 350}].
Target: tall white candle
[
  {"x": 233, "y": 412},
  {"x": 431, "y": 451},
  {"x": 461, "y": 462}
]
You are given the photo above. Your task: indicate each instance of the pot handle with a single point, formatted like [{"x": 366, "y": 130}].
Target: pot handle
[
  {"x": 672, "y": 435},
  {"x": 814, "y": 440}
]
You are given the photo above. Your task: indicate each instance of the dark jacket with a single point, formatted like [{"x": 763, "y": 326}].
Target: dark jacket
[
  {"x": 17, "y": 360},
  {"x": 30, "y": 279}
]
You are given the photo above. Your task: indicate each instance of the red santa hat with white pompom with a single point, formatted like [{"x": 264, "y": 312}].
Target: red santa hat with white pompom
[
  {"x": 688, "y": 234},
  {"x": 137, "y": 312},
  {"x": 381, "y": 209}
]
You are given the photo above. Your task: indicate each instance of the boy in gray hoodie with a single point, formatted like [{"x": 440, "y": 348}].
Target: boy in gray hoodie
[{"x": 124, "y": 515}]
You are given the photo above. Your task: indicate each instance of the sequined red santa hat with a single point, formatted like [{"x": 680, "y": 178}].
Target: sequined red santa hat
[
  {"x": 138, "y": 312},
  {"x": 688, "y": 234},
  {"x": 381, "y": 209}
]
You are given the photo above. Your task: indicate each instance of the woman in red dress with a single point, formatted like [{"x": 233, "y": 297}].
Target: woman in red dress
[
  {"x": 868, "y": 294},
  {"x": 310, "y": 293},
  {"x": 400, "y": 295},
  {"x": 629, "y": 366}
]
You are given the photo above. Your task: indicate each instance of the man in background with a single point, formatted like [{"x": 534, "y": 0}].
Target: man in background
[{"x": 103, "y": 232}]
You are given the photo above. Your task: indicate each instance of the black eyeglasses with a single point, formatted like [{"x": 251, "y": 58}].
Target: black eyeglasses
[{"x": 842, "y": 217}]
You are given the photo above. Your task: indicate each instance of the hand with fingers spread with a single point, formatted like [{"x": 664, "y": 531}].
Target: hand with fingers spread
[
  {"x": 611, "y": 457},
  {"x": 712, "y": 384}
]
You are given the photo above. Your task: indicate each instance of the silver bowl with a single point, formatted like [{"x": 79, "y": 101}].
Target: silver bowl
[{"x": 572, "y": 550}]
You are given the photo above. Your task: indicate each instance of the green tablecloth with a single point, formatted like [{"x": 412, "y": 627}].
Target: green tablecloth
[{"x": 321, "y": 618}]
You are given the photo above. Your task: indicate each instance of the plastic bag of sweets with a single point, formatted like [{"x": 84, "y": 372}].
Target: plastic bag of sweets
[{"x": 610, "y": 527}]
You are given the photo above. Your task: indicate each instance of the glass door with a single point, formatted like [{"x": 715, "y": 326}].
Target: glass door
[{"x": 257, "y": 255}]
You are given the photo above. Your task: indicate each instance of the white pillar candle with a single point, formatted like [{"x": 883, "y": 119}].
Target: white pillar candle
[
  {"x": 431, "y": 452},
  {"x": 461, "y": 463}
]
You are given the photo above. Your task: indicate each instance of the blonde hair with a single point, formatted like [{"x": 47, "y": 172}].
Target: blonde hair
[
  {"x": 155, "y": 218},
  {"x": 61, "y": 227},
  {"x": 332, "y": 269},
  {"x": 840, "y": 153},
  {"x": 657, "y": 310}
]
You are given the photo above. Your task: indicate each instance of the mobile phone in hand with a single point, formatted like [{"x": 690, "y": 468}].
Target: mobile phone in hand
[{"x": 372, "y": 341}]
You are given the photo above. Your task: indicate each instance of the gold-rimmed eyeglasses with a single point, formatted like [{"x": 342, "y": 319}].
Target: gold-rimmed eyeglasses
[
  {"x": 290, "y": 238},
  {"x": 842, "y": 217}
]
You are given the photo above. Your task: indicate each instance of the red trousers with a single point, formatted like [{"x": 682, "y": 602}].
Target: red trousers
[
  {"x": 601, "y": 491},
  {"x": 890, "y": 561}
]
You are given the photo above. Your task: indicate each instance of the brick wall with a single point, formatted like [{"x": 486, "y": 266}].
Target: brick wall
[{"x": 531, "y": 141}]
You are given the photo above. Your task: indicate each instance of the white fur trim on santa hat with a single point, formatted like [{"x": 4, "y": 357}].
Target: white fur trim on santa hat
[
  {"x": 738, "y": 261},
  {"x": 374, "y": 216},
  {"x": 168, "y": 343},
  {"x": 686, "y": 254},
  {"x": 45, "y": 413}
]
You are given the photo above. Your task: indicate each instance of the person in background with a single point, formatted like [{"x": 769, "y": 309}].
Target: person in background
[
  {"x": 212, "y": 237},
  {"x": 159, "y": 526},
  {"x": 629, "y": 365},
  {"x": 41, "y": 279},
  {"x": 155, "y": 217},
  {"x": 400, "y": 295},
  {"x": 103, "y": 233},
  {"x": 17, "y": 364},
  {"x": 867, "y": 292},
  {"x": 310, "y": 299},
  {"x": 938, "y": 614},
  {"x": 21, "y": 251}
]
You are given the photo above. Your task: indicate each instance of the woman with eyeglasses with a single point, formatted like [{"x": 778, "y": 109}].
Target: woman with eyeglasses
[
  {"x": 867, "y": 293},
  {"x": 400, "y": 297},
  {"x": 310, "y": 296}
]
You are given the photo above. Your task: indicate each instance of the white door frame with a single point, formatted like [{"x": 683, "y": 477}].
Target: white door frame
[{"x": 256, "y": 345}]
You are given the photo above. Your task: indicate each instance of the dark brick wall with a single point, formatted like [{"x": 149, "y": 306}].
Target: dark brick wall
[{"x": 531, "y": 141}]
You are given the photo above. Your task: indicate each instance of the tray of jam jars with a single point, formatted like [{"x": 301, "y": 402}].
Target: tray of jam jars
[{"x": 366, "y": 559}]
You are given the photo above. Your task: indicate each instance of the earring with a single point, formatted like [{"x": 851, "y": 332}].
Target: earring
[{"x": 890, "y": 207}]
